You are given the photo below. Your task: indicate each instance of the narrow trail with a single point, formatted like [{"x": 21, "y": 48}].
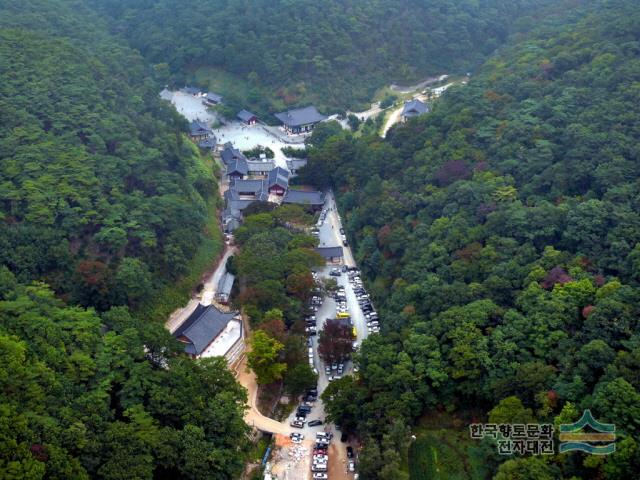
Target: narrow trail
[{"x": 252, "y": 416}]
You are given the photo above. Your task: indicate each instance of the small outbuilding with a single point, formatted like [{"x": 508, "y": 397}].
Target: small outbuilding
[
  {"x": 331, "y": 254},
  {"x": 247, "y": 117},
  {"x": 313, "y": 199},
  {"x": 212, "y": 99},
  {"x": 224, "y": 288},
  {"x": 413, "y": 108}
]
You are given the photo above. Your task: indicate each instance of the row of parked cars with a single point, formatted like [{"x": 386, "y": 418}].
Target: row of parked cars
[
  {"x": 312, "y": 308},
  {"x": 303, "y": 411},
  {"x": 334, "y": 371},
  {"x": 320, "y": 459},
  {"x": 364, "y": 300}
]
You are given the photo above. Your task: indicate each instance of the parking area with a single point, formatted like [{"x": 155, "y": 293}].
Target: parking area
[{"x": 349, "y": 304}]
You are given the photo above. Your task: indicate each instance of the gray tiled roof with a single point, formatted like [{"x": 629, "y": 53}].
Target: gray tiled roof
[
  {"x": 278, "y": 176},
  {"x": 296, "y": 163},
  {"x": 330, "y": 252},
  {"x": 202, "y": 327},
  {"x": 300, "y": 116},
  {"x": 226, "y": 283},
  {"x": 414, "y": 108},
  {"x": 210, "y": 142},
  {"x": 304, "y": 198},
  {"x": 229, "y": 154},
  {"x": 247, "y": 186},
  {"x": 245, "y": 115},
  {"x": 259, "y": 166},
  {"x": 198, "y": 128},
  {"x": 238, "y": 164},
  {"x": 213, "y": 97}
]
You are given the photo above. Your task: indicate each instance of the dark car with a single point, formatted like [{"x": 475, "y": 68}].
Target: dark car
[
  {"x": 314, "y": 423},
  {"x": 304, "y": 408},
  {"x": 343, "y": 437},
  {"x": 349, "y": 452}
]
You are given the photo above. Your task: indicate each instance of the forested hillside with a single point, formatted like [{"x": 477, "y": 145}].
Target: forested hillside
[
  {"x": 89, "y": 396},
  {"x": 501, "y": 235},
  {"x": 101, "y": 196},
  {"x": 335, "y": 53}
]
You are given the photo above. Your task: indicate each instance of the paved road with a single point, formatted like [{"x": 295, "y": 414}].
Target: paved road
[{"x": 330, "y": 236}]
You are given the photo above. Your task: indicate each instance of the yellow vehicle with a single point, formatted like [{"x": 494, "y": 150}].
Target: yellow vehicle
[
  {"x": 355, "y": 332},
  {"x": 343, "y": 315}
]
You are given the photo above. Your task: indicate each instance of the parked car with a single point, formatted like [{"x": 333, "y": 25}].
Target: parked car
[
  {"x": 304, "y": 408},
  {"x": 320, "y": 476},
  {"x": 297, "y": 424},
  {"x": 349, "y": 452},
  {"x": 314, "y": 423},
  {"x": 352, "y": 466}
]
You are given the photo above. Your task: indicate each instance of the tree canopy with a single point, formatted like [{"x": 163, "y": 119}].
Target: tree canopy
[
  {"x": 499, "y": 236},
  {"x": 335, "y": 53}
]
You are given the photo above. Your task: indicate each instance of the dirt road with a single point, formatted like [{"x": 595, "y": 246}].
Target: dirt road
[
  {"x": 391, "y": 121},
  {"x": 206, "y": 296},
  {"x": 253, "y": 417}
]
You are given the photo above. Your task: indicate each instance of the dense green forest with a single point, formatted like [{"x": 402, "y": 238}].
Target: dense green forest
[
  {"x": 101, "y": 197},
  {"x": 335, "y": 53},
  {"x": 107, "y": 396},
  {"x": 500, "y": 235}
]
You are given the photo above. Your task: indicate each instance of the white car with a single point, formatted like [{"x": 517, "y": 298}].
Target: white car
[
  {"x": 352, "y": 466},
  {"x": 320, "y": 476}
]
